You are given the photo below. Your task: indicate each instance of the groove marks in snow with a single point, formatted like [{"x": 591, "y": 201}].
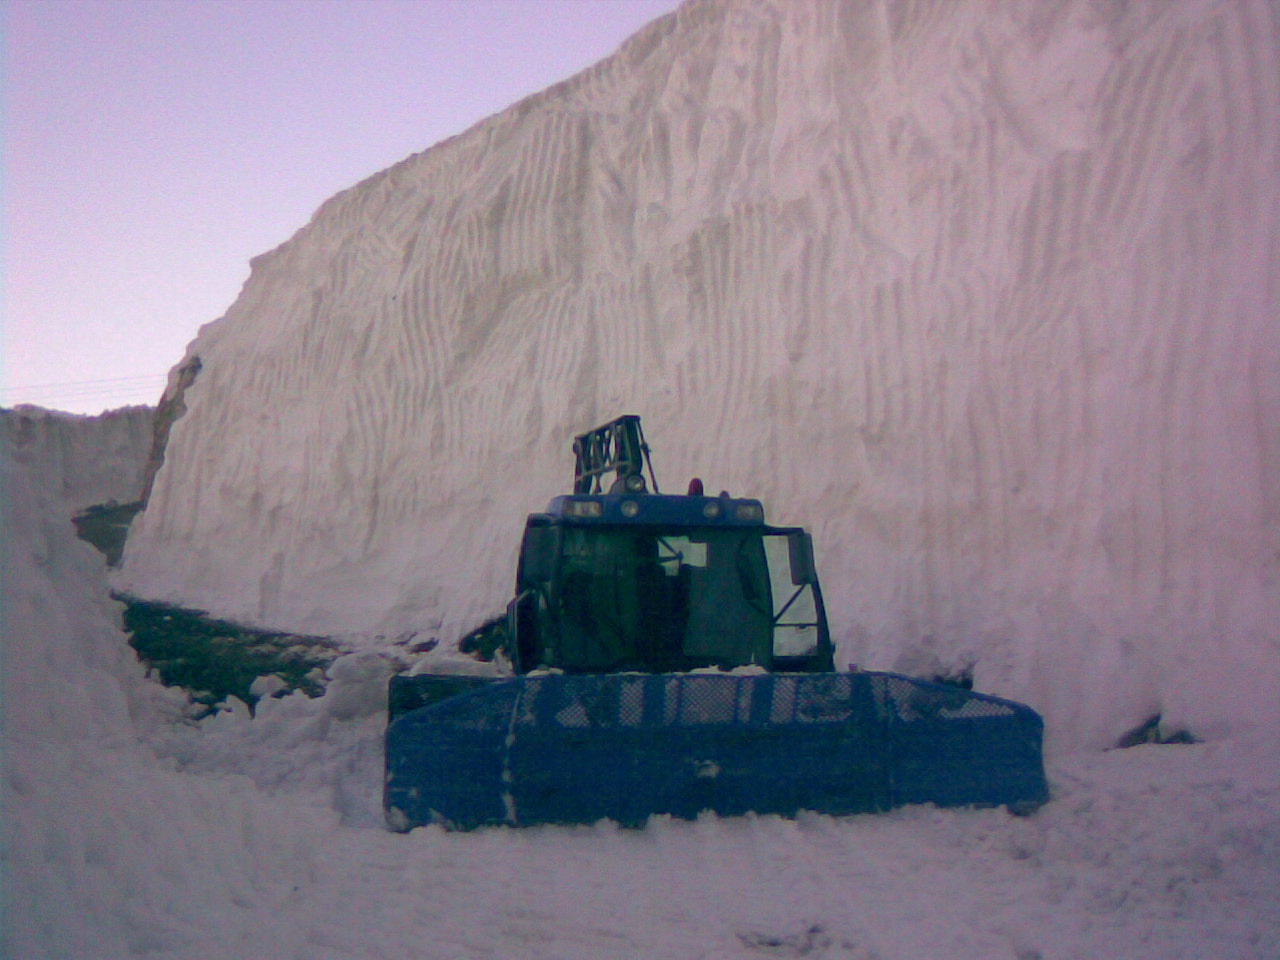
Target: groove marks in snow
[{"x": 990, "y": 307}]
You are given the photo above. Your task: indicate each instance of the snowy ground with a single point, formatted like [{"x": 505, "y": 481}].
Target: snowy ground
[
  {"x": 1150, "y": 852},
  {"x": 130, "y": 833}
]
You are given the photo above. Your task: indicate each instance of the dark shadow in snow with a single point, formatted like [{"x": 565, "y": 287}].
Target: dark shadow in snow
[{"x": 1149, "y": 731}]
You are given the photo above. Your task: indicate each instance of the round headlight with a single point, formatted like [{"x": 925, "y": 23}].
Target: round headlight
[
  {"x": 635, "y": 483},
  {"x": 711, "y": 509},
  {"x": 630, "y": 508}
]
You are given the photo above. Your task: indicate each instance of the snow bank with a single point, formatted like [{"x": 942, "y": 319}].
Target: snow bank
[
  {"x": 108, "y": 851},
  {"x": 985, "y": 295},
  {"x": 84, "y": 461},
  {"x": 52, "y": 464},
  {"x": 80, "y": 798}
]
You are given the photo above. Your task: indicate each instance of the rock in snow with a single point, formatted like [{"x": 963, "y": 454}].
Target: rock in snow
[{"x": 984, "y": 294}]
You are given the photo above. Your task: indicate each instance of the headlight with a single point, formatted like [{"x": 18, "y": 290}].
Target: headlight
[
  {"x": 635, "y": 483},
  {"x": 630, "y": 508},
  {"x": 751, "y": 512},
  {"x": 711, "y": 509},
  {"x": 584, "y": 508}
]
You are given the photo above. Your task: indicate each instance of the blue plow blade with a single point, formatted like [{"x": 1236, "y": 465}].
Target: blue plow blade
[{"x": 464, "y": 752}]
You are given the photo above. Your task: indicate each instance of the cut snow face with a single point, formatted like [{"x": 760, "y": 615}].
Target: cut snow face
[{"x": 983, "y": 295}]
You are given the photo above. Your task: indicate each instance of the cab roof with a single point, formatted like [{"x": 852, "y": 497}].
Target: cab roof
[{"x": 643, "y": 509}]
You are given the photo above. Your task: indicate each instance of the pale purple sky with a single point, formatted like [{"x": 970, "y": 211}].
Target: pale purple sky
[{"x": 152, "y": 147}]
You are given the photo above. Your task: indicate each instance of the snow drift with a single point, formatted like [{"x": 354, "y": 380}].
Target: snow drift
[
  {"x": 983, "y": 294},
  {"x": 108, "y": 851}
]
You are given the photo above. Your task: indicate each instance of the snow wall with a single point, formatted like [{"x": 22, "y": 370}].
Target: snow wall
[
  {"x": 983, "y": 294},
  {"x": 53, "y": 465},
  {"x": 56, "y": 643},
  {"x": 108, "y": 851},
  {"x": 81, "y": 461}
]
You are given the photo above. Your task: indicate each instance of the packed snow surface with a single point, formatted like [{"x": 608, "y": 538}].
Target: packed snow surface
[
  {"x": 983, "y": 294},
  {"x": 129, "y": 832}
]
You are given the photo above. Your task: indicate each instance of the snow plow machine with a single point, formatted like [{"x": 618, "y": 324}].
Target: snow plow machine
[{"x": 670, "y": 655}]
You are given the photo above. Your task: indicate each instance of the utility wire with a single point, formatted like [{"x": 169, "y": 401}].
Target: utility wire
[
  {"x": 80, "y": 383},
  {"x": 106, "y": 391}
]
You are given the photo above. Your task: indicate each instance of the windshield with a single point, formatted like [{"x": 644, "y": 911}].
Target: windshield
[{"x": 649, "y": 599}]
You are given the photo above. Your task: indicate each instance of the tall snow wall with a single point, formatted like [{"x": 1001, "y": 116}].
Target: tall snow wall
[
  {"x": 984, "y": 294},
  {"x": 109, "y": 852},
  {"x": 83, "y": 461}
]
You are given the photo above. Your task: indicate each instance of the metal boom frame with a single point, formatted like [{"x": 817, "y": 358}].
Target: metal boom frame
[{"x": 619, "y": 446}]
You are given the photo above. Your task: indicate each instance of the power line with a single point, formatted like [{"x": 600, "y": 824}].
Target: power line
[
  {"x": 103, "y": 391},
  {"x": 81, "y": 383}
]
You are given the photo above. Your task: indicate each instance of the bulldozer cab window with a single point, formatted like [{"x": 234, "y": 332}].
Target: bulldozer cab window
[
  {"x": 652, "y": 600},
  {"x": 597, "y": 601},
  {"x": 676, "y": 552},
  {"x": 728, "y": 620},
  {"x": 795, "y": 611}
]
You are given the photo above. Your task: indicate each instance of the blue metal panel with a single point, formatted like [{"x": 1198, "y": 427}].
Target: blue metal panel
[
  {"x": 955, "y": 748},
  {"x": 445, "y": 761},
  {"x": 572, "y": 749}
]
